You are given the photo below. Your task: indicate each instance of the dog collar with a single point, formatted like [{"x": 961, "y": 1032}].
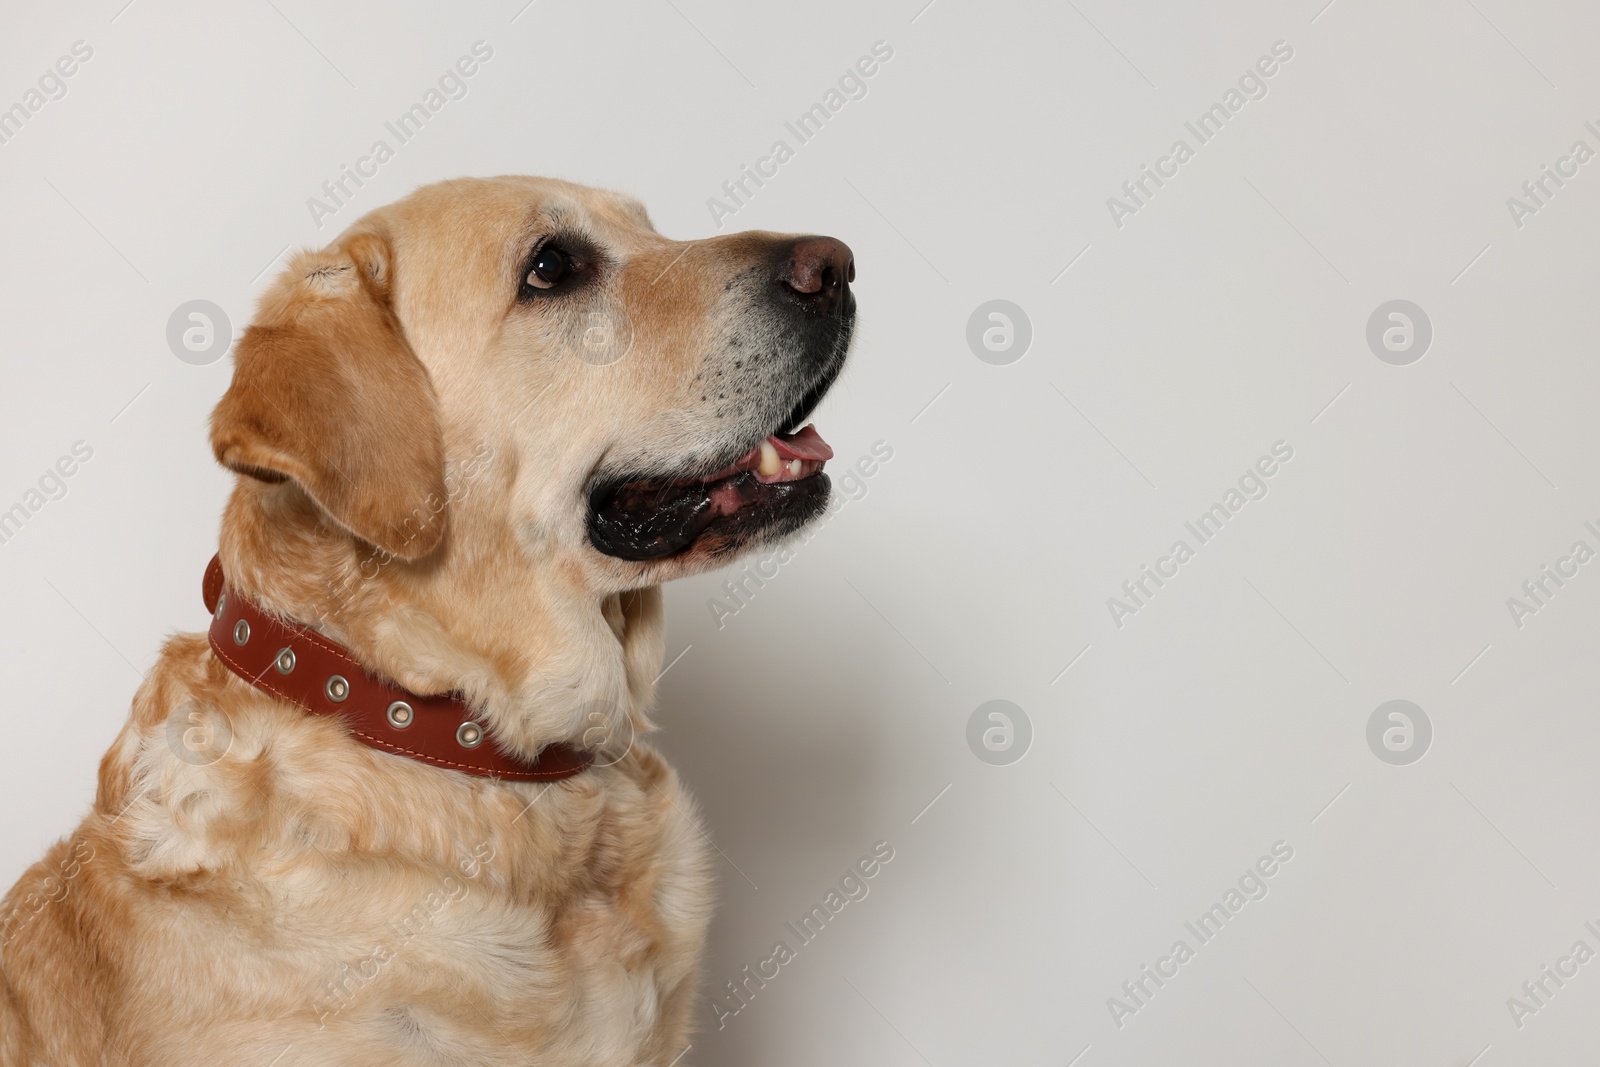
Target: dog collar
[{"x": 299, "y": 665}]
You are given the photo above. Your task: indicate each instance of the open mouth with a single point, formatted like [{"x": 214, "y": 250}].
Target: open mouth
[{"x": 776, "y": 486}]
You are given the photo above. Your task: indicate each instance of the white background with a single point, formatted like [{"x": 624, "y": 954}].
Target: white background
[{"x": 1227, "y": 314}]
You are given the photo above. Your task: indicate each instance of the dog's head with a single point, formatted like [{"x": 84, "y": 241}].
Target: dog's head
[{"x": 480, "y": 427}]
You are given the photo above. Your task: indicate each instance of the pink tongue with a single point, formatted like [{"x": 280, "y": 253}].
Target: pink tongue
[{"x": 807, "y": 444}]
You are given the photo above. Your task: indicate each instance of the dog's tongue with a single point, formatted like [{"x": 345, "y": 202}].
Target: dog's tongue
[
  {"x": 807, "y": 444},
  {"x": 787, "y": 457}
]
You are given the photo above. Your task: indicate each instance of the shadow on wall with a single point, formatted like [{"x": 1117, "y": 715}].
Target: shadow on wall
[
  {"x": 788, "y": 764},
  {"x": 782, "y": 757}
]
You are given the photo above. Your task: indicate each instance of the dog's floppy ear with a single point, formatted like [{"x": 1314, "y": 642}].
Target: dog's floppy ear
[{"x": 327, "y": 392}]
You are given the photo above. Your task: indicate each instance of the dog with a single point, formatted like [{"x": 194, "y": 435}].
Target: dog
[{"x": 472, "y": 437}]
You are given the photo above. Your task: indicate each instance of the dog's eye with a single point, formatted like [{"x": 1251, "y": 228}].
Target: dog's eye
[{"x": 549, "y": 267}]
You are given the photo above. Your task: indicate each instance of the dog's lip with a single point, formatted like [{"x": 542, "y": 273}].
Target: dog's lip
[
  {"x": 803, "y": 450},
  {"x": 645, "y": 521},
  {"x": 644, "y": 518},
  {"x": 812, "y": 397},
  {"x": 804, "y": 446}
]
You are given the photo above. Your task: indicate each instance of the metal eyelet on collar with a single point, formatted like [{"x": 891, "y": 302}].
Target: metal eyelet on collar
[
  {"x": 400, "y": 715},
  {"x": 280, "y": 647}
]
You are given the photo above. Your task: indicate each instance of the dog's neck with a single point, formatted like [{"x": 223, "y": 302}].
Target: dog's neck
[{"x": 542, "y": 657}]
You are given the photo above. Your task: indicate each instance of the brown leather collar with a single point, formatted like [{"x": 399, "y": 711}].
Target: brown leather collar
[{"x": 301, "y": 666}]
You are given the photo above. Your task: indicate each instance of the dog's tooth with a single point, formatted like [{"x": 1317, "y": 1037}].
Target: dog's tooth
[
  {"x": 794, "y": 468},
  {"x": 770, "y": 463}
]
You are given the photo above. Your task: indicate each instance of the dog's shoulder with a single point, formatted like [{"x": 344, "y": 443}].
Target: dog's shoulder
[{"x": 263, "y": 868}]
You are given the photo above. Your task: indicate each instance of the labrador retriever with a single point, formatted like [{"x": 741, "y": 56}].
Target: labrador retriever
[{"x": 396, "y": 806}]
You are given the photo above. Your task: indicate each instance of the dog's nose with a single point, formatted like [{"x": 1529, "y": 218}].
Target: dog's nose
[{"x": 819, "y": 271}]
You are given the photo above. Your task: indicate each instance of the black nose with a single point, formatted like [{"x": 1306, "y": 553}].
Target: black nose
[{"x": 818, "y": 271}]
